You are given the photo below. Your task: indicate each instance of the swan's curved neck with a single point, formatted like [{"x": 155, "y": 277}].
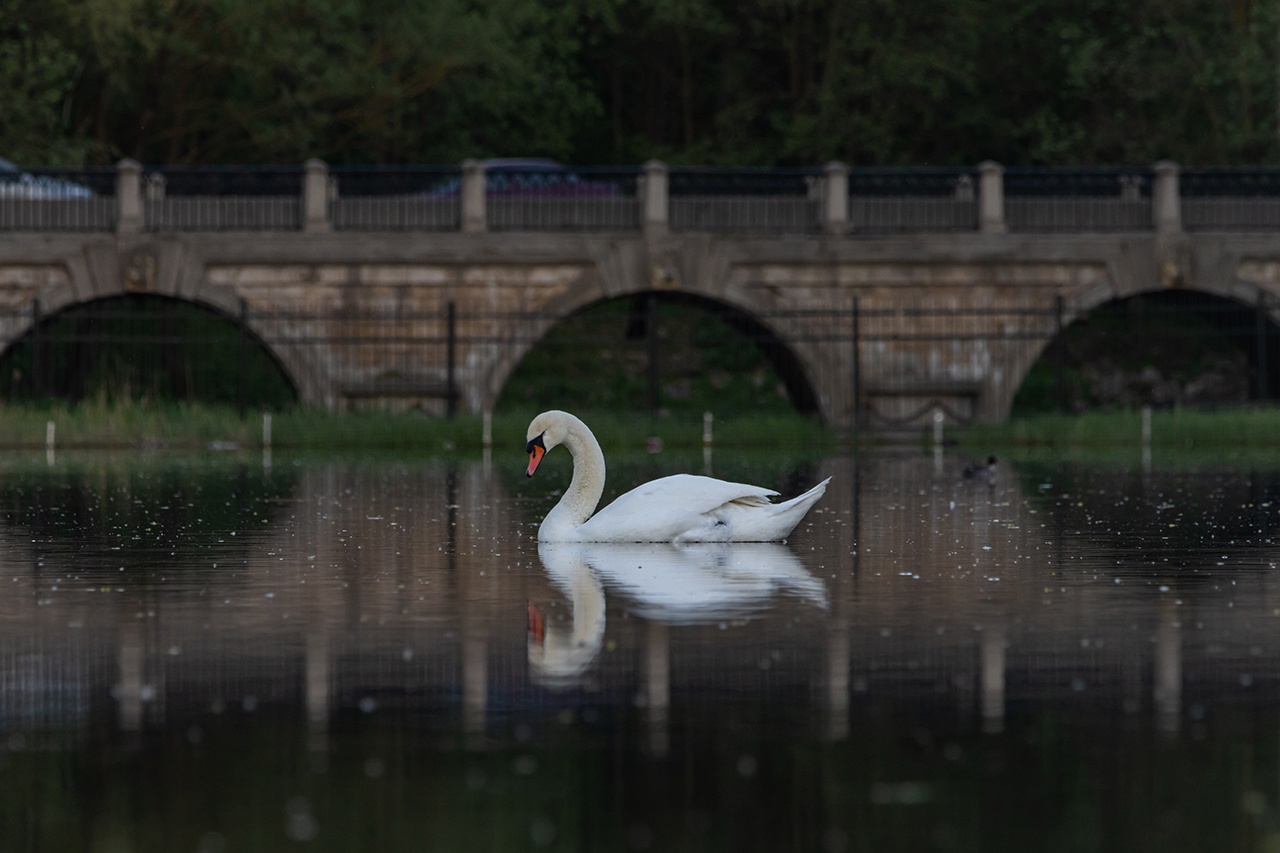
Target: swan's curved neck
[{"x": 580, "y": 499}]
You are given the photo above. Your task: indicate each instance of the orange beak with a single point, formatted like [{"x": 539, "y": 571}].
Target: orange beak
[{"x": 536, "y": 452}]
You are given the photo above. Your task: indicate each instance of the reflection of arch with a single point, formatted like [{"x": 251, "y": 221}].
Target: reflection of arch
[
  {"x": 1236, "y": 313},
  {"x": 31, "y": 326},
  {"x": 788, "y": 363}
]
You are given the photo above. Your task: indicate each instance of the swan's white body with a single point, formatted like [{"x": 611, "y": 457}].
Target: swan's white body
[{"x": 679, "y": 508}]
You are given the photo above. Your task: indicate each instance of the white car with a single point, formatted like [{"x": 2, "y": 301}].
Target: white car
[{"x": 15, "y": 183}]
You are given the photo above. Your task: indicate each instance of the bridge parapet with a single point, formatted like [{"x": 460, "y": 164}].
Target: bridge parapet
[{"x": 654, "y": 199}]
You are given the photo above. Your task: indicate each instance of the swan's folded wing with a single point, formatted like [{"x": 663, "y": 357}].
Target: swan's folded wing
[{"x": 669, "y": 506}]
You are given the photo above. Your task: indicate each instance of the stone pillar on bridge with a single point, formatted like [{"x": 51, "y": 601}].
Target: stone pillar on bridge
[
  {"x": 991, "y": 198},
  {"x": 835, "y": 198},
  {"x": 654, "y": 206},
  {"x": 129, "y": 211},
  {"x": 315, "y": 196},
  {"x": 1166, "y": 201},
  {"x": 475, "y": 219}
]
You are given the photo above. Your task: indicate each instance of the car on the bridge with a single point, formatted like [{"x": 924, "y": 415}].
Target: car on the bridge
[
  {"x": 17, "y": 183},
  {"x": 532, "y": 177}
]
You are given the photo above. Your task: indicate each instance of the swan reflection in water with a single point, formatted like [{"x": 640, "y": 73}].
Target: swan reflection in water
[{"x": 664, "y": 583}]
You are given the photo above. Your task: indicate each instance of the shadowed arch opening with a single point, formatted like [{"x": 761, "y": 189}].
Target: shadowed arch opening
[
  {"x": 143, "y": 347},
  {"x": 664, "y": 353},
  {"x": 1161, "y": 349}
]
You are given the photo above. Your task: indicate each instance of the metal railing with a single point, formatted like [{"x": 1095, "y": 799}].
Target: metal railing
[
  {"x": 1078, "y": 199},
  {"x": 742, "y": 200},
  {"x": 395, "y": 198},
  {"x": 576, "y": 199},
  {"x": 1071, "y": 214},
  {"x": 223, "y": 213},
  {"x": 80, "y": 199},
  {"x": 544, "y": 196},
  {"x": 1079, "y": 182},
  {"x": 77, "y": 214},
  {"x": 223, "y": 198},
  {"x": 1228, "y": 198},
  {"x": 911, "y": 214},
  {"x": 912, "y": 200}
]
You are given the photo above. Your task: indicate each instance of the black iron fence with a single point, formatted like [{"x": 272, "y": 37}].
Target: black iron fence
[{"x": 888, "y": 366}]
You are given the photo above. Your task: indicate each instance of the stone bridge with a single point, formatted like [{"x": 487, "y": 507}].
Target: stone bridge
[{"x": 881, "y": 315}]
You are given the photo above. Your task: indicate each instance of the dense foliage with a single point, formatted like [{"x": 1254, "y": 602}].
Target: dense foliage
[{"x": 743, "y": 82}]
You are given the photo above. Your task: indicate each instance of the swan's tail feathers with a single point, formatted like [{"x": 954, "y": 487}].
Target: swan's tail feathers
[
  {"x": 808, "y": 499},
  {"x": 788, "y": 513}
]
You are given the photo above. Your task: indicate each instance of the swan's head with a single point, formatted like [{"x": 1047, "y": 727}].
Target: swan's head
[{"x": 545, "y": 432}]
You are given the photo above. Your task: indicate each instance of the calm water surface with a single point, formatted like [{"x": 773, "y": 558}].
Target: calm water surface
[{"x": 221, "y": 655}]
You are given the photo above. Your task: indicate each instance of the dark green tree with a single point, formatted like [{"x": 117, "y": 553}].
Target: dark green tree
[{"x": 752, "y": 82}]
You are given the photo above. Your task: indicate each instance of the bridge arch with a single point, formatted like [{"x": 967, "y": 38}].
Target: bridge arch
[
  {"x": 786, "y": 362},
  {"x": 1240, "y": 315},
  {"x": 40, "y": 346}
]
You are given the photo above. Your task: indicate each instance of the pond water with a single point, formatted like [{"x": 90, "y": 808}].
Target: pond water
[{"x": 234, "y": 654}]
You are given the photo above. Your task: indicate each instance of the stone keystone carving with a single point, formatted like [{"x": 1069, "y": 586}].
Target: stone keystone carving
[{"x": 139, "y": 271}]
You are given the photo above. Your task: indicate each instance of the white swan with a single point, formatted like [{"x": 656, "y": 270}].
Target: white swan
[{"x": 679, "y": 508}]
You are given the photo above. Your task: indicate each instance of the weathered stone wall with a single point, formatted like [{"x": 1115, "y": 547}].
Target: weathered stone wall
[
  {"x": 383, "y": 326},
  {"x": 951, "y": 320}
]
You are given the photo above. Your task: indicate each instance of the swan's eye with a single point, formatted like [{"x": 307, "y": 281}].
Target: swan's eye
[{"x": 536, "y": 442}]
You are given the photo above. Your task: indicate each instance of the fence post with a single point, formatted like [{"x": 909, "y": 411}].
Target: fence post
[
  {"x": 242, "y": 357},
  {"x": 1059, "y": 348},
  {"x": 37, "y": 351},
  {"x": 1263, "y": 379},
  {"x": 655, "y": 201},
  {"x": 451, "y": 353},
  {"x": 835, "y": 199},
  {"x": 1165, "y": 198},
  {"x": 991, "y": 198},
  {"x": 857, "y": 368},
  {"x": 315, "y": 196},
  {"x": 130, "y": 218},
  {"x": 475, "y": 219},
  {"x": 655, "y": 368}
]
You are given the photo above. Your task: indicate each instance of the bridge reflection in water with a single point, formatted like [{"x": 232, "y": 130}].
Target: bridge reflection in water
[{"x": 402, "y": 613}]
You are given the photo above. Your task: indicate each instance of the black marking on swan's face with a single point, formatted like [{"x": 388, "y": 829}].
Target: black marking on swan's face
[
  {"x": 536, "y": 441},
  {"x": 536, "y": 449}
]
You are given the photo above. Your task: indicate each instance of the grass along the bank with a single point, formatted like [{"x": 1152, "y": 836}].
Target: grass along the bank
[
  {"x": 196, "y": 427},
  {"x": 1254, "y": 429},
  {"x": 106, "y": 425},
  {"x": 615, "y": 431}
]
